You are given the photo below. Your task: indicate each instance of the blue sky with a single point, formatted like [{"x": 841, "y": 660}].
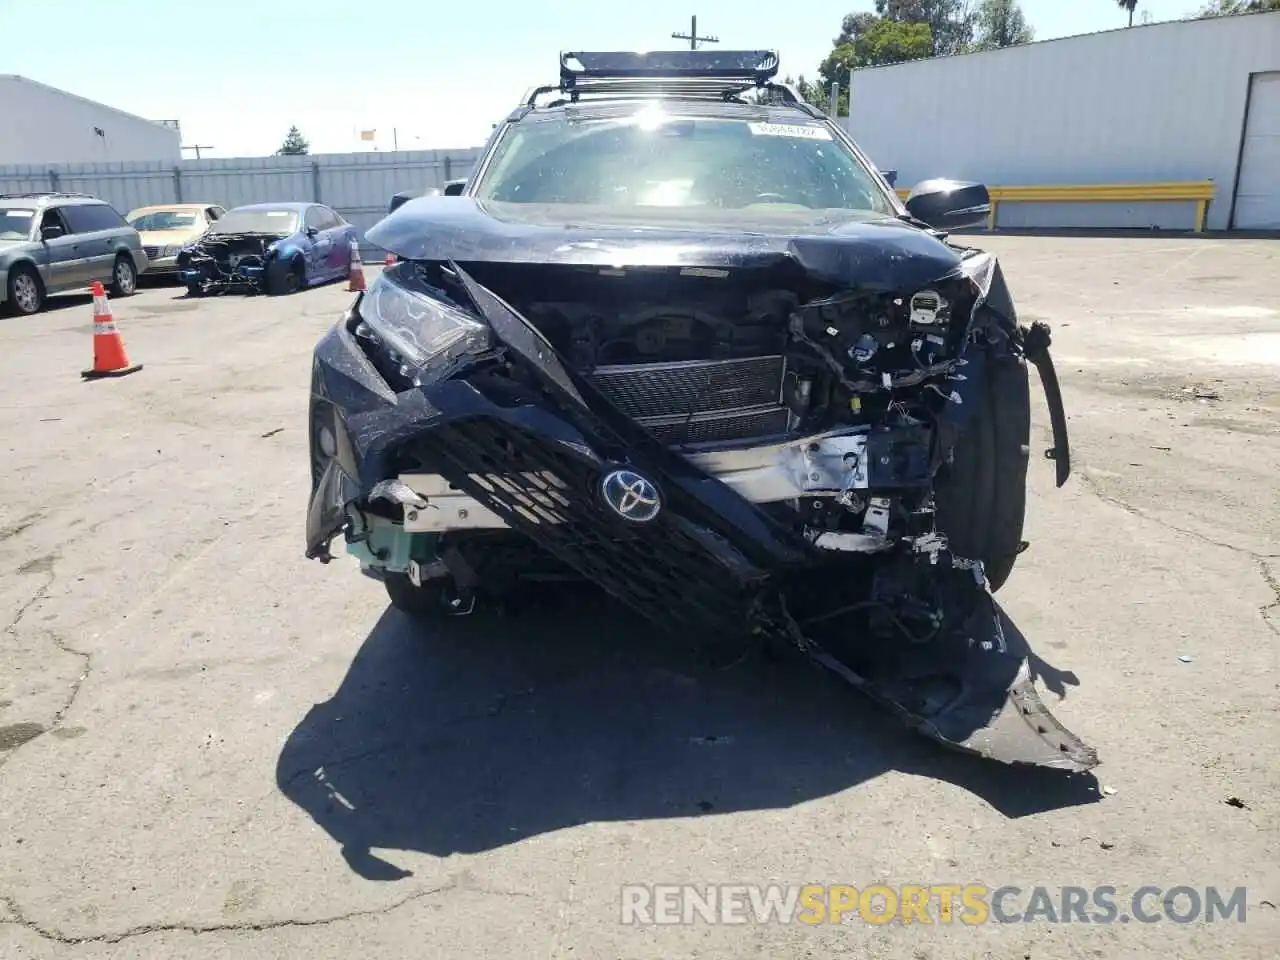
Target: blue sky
[{"x": 237, "y": 73}]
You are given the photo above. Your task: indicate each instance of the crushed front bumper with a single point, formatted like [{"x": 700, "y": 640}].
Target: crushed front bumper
[
  {"x": 702, "y": 558},
  {"x": 814, "y": 466}
]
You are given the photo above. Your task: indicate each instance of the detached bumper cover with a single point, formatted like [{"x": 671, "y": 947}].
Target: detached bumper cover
[{"x": 707, "y": 560}]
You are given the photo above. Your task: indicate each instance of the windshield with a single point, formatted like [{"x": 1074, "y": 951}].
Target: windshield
[
  {"x": 15, "y": 223},
  {"x": 653, "y": 159},
  {"x": 282, "y": 222},
  {"x": 163, "y": 220}
]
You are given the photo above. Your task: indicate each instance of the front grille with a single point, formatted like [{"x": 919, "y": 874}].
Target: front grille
[
  {"x": 699, "y": 401},
  {"x": 718, "y": 427},
  {"x": 699, "y": 386},
  {"x": 151, "y": 252},
  {"x": 669, "y": 570}
]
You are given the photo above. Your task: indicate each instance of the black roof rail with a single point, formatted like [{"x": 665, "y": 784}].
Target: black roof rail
[
  {"x": 44, "y": 193},
  {"x": 757, "y": 66},
  {"x": 699, "y": 74}
]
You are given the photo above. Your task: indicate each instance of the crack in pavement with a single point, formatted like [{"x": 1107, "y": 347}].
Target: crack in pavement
[
  {"x": 1091, "y": 485},
  {"x": 54, "y": 936},
  {"x": 17, "y": 918},
  {"x": 1260, "y": 559},
  {"x": 1274, "y": 583},
  {"x": 42, "y": 594},
  {"x": 86, "y": 658}
]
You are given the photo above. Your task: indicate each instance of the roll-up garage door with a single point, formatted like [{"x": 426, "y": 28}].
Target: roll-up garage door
[{"x": 1258, "y": 191}]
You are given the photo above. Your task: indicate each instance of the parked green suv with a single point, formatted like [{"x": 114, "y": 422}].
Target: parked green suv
[{"x": 61, "y": 242}]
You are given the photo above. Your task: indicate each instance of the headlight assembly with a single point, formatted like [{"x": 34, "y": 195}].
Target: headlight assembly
[
  {"x": 172, "y": 250},
  {"x": 417, "y": 329}
]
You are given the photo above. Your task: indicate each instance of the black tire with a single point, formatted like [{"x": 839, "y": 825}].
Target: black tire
[
  {"x": 286, "y": 279},
  {"x": 426, "y": 602},
  {"x": 24, "y": 284},
  {"x": 982, "y": 495},
  {"x": 124, "y": 276},
  {"x": 195, "y": 290}
]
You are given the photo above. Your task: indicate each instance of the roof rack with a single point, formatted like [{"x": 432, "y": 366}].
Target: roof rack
[
  {"x": 44, "y": 193},
  {"x": 757, "y": 66},
  {"x": 687, "y": 74}
]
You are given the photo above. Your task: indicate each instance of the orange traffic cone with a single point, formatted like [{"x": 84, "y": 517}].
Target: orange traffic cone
[
  {"x": 355, "y": 278},
  {"x": 109, "y": 356}
]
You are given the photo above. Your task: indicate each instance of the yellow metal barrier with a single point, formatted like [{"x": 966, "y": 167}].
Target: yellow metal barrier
[{"x": 1201, "y": 192}]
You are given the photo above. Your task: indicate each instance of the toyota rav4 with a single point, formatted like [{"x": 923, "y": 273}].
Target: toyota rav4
[{"x": 677, "y": 336}]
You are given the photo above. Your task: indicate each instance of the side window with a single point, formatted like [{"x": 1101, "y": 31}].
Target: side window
[
  {"x": 335, "y": 218},
  {"x": 88, "y": 217},
  {"x": 77, "y": 220},
  {"x": 51, "y": 218},
  {"x": 314, "y": 218}
]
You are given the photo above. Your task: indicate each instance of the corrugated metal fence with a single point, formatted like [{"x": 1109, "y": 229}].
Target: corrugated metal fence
[{"x": 358, "y": 185}]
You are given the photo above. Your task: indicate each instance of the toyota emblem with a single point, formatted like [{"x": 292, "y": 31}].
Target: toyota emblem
[{"x": 631, "y": 496}]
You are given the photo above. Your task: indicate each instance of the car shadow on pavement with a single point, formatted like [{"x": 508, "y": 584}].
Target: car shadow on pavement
[{"x": 483, "y": 731}]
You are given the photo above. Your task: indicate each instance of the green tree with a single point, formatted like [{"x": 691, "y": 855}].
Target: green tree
[
  {"x": 951, "y": 22},
  {"x": 886, "y": 41},
  {"x": 1129, "y": 5},
  {"x": 295, "y": 144},
  {"x": 1000, "y": 23},
  {"x": 1231, "y": 8}
]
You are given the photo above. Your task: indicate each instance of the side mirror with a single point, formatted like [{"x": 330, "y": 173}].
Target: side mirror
[
  {"x": 51, "y": 232},
  {"x": 312, "y": 232},
  {"x": 950, "y": 204},
  {"x": 454, "y": 188},
  {"x": 400, "y": 199}
]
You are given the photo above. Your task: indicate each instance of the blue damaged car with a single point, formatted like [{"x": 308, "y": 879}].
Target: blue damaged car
[{"x": 277, "y": 248}]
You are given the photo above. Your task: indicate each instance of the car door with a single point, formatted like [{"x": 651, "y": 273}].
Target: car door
[
  {"x": 339, "y": 244},
  {"x": 67, "y": 268},
  {"x": 94, "y": 236},
  {"x": 319, "y": 244}
]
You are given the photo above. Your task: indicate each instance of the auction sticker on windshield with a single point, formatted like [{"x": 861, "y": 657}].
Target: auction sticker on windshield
[{"x": 801, "y": 131}]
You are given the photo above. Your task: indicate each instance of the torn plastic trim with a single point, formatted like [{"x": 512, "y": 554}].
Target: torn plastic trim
[
  {"x": 1035, "y": 346},
  {"x": 966, "y": 686}
]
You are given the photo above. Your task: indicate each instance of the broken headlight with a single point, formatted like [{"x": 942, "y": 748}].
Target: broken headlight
[{"x": 415, "y": 325}]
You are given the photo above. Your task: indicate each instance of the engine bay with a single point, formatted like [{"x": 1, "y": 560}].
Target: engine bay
[
  {"x": 706, "y": 360},
  {"x": 224, "y": 261}
]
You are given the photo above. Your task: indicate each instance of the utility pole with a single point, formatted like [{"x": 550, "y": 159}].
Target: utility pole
[
  {"x": 692, "y": 35},
  {"x": 197, "y": 147}
]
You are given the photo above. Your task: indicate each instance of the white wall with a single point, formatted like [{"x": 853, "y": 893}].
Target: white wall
[
  {"x": 39, "y": 124},
  {"x": 1159, "y": 102}
]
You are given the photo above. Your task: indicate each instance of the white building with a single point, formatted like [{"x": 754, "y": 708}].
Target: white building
[
  {"x": 1180, "y": 101},
  {"x": 41, "y": 124}
]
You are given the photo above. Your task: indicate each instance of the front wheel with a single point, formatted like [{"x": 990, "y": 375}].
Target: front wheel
[
  {"x": 426, "y": 602},
  {"x": 285, "y": 278},
  {"x": 25, "y": 295},
  {"x": 124, "y": 277},
  {"x": 982, "y": 495}
]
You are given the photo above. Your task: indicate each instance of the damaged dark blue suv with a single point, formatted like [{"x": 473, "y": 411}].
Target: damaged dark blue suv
[{"x": 678, "y": 337}]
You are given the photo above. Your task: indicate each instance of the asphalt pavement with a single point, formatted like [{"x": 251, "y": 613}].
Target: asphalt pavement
[{"x": 211, "y": 747}]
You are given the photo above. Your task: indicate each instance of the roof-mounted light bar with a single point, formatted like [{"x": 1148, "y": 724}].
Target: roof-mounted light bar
[{"x": 742, "y": 66}]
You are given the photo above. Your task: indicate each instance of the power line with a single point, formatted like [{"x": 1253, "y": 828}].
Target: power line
[{"x": 692, "y": 35}]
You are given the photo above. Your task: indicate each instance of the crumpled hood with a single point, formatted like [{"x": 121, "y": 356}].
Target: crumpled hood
[{"x": 840, "y": 247}]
